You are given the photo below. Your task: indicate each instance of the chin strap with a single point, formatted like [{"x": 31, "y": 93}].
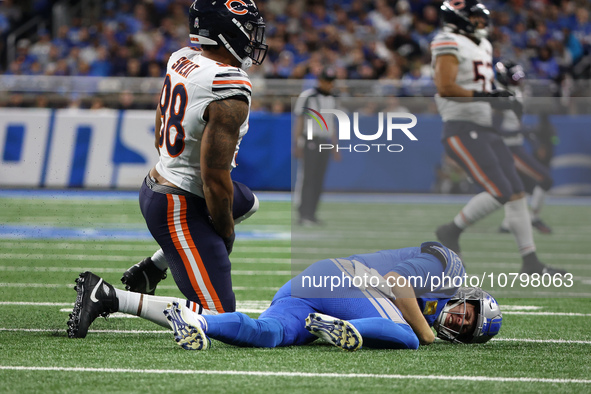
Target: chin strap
[{"x": 245, "y": 63}]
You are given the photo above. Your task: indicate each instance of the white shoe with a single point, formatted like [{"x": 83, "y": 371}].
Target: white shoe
[
  {"x": 340, "y": 333},
  {"x": 187, "y": 335}
]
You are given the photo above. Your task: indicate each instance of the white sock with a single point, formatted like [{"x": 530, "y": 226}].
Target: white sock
[
  {"x": 505, "y": 223},
  {"x": 159, "y": 260},
  {"x": 537, "y": 201},
  {"x": 519, "y": 222},
  {"x": 151, "y": 307},
  {"x": 478, "y": 207}
]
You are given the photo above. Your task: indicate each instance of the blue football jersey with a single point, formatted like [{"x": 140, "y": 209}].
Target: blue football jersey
[{"x": 434, "y": 271}]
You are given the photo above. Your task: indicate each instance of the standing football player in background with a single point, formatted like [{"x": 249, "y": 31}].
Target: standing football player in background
[
  {"x": 313, "y": 162},
  {"x": 463, "y": 74},
  {"x": 387, "y": 300},
  {"x": 188, "y": 199},
  {"x": 535, "y": 176}
]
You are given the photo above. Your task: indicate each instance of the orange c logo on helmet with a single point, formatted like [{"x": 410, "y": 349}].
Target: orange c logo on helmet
[
  {"x": 457, "y": 4},
  {"x": 233, "y": 10}
]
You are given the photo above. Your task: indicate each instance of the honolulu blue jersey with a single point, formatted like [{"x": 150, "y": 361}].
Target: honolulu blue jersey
[{"x": 432, "y": 278}]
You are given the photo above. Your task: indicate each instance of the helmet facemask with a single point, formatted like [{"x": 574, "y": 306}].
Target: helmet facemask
[
  {"x": 448, "y": 333},
  {"x": 456, "y": 17},
  {"x": 488, "y": 317},
  {"x": 255, "y": 50},
  {"x": 237, "y": 25}
]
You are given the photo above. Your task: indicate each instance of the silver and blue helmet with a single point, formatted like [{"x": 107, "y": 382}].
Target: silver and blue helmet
[{"x": 488, "y": 316}]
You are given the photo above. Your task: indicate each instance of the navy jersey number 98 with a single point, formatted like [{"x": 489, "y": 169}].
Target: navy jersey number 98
[{"x": 173, "y": 104}]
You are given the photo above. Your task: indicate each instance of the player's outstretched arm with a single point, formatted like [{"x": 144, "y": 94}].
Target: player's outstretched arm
[
  {"x": 407, "y": 303},
  {"x": 220, "y": 136}
]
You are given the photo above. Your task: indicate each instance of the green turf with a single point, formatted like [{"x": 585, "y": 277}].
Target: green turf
[{"x": 32, "y": 334}]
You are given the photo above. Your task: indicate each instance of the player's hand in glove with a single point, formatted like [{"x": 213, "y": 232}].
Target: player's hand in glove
[
  {"x": 499, "y": 99},
  {"x": 485, "y": 96}
]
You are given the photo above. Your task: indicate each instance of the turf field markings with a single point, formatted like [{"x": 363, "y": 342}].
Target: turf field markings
[
  {"x": 130, "y": 259},
  {"x": 163, "y": 331},
  {"x": 258, "y": 306},
  {"x": 161, "y": 287},
  {"x": 297, "y": 374},
  {"x": 148, "y": 248},
  {"x": 543, "y": 255},
  {"x": 467, "y": 254},
  {"x": 90, "y": 331},
  {"x": 547, "y": 313},
  {"x": 242, "y": 260},
  {"x": 118, "y": 270},
  {"x": 557, "y": 341},
  {"x": 520, "y": 307}
]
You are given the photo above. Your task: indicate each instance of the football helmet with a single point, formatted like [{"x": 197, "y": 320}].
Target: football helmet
[
  {"x": 455, "y": 14},
  {"x": 235, "y": 24},
  {"x": 488, "y": 317},
  {"x": 508, "y": 73}
]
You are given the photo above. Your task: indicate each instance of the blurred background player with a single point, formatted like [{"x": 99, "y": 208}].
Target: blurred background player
[
  {"x": 394, "y": 306},
  {"x": 535, "y": 176},
  {"x": 463, "y": 75},
  {"x": 313, "y": 162},
  {"x": 188, "y": 199}
]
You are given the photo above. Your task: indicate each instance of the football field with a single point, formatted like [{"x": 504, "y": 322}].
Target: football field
[{"x": 48, "y": 238}]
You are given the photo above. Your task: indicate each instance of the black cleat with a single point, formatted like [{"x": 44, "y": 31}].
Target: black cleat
[
  {"x": 449, "y": 235},
  {"x": 544, "y": 269},
  {"x": 95, "y": 298},
  {"x": 504, "y": 230},
  {"x": 542, "y": 227},
  {"x": 143, "y": 277}
]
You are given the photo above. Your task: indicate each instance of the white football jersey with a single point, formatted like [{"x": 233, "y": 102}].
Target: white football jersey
[
  {"x": 475, "y": 73},
  {"x": 192, "y": 82}
]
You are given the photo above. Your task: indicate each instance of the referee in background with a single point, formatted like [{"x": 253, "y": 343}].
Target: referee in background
[{"x": 313, "y": 163}]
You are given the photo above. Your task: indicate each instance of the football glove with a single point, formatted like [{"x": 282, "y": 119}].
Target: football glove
[{"x": 484, "y": 96}]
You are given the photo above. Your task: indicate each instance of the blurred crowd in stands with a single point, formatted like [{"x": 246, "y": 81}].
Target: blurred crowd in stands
[{"x": 363, "y": 39}]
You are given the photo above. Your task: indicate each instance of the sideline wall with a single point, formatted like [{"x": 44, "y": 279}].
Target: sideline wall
[{"x": 111, "y": 149}]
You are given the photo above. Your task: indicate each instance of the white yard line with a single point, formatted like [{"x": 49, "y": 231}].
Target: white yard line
[
  {"x": 258, "y": 306},
  {"x": 130, "y": 259},
  {"x": 547, "y": 313},
  {"x": 92, "y": 245},
  {"x": 526, "y": 340},
  {"x": 48, "y": 330},
  {"x": 296, "y": 374}
]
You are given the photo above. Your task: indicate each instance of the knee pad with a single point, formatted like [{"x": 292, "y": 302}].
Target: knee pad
[
  {"x": 252, "y": 211},
  {"x": 245, "y": 202}
]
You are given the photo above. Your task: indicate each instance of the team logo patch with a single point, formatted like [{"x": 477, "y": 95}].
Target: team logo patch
[
  {"x": 430, "y": 308},
  {"x": 457, "y": 4},
  {"x": 241, "y": 7}
]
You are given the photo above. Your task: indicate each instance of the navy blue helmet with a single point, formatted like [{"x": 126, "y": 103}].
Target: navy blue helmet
[
  {"x": 235, "y": 24},
  {"x": 456, "y": 14}
]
